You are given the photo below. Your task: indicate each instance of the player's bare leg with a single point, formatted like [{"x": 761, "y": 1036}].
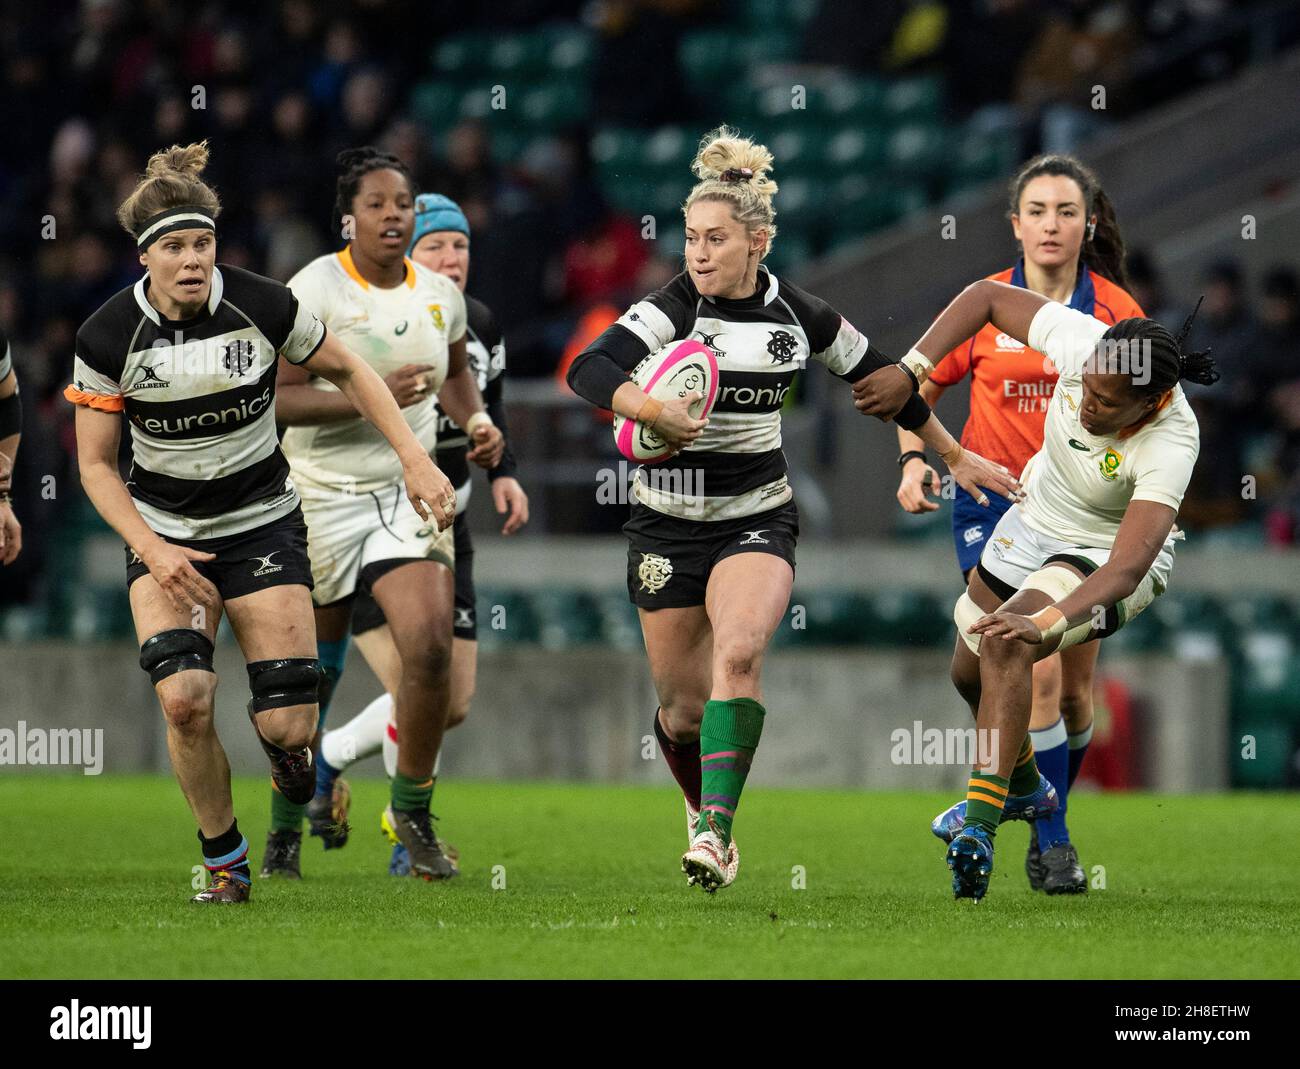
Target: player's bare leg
[{"x": 417, "y": 600}]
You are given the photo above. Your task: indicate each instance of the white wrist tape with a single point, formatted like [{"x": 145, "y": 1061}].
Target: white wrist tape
[
  {"x": 918, "y": 364},
  {"x": 478, "y": 419}
]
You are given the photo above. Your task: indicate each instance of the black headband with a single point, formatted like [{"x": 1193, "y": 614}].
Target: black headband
[{"x": 186, "y": 217}]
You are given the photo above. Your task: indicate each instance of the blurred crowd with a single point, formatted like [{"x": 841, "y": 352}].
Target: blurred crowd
[{"x": 92, "y": 87}]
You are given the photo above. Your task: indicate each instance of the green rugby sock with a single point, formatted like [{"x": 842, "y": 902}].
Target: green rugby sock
[
  {"x": 729, "y": 736},
  {"x": 986, "y": 795},
  {"x": 411, "y": 794},
  {"x": 1024, "y": 778},
  {"x": 285, "y": 816}
]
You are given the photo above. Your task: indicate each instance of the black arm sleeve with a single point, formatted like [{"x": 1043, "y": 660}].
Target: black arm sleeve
[
  {"x": 911, "y": 415},
  {"x": 507, "y": 465},
  {"x": 11, "y": 415},
  {"x": 602, "y": 367}
]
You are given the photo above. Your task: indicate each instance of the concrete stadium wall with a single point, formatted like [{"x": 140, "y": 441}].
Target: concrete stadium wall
[{"x": 585, "y": 714}]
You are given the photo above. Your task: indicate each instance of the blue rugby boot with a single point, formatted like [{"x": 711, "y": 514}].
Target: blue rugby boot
[{"x": 970, "y": 857}]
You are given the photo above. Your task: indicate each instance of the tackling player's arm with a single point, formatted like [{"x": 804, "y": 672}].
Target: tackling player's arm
[
  {"x": 461, "y": 400},
  {"x": 11, "y": 419},
  {"x": 1142, "y": 532},
  {"x": 1009, "y": 308},
  {"x": 915, "y": 471},
  {"x": 298, "y": 404},
  {"x": 370, "y": 396}
]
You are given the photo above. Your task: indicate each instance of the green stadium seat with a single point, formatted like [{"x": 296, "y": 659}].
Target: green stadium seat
[
  {"x": 979, "y": 156},
  {"x": 917, "y": 150},
  {"x": 617, "y": 151},
  {"x": 619, "y": 623},
  {"x": 824, "y": 618},
  {"x": 435, "y": 103},
  {"x": 570, "y": 53},
  {"x": 518, "y": 54},
  {"x": 855, "y": 148},
  {"x": 913, "y": 99},
  {"x": 902, "y": 617},
  {"x": 566, "y": 618},
  {"x": 706, "y": 58},
  {"x": 790, "y": 15},
  {"x": 460, "y": 55},
  {"x": 556, "y": 105},
  {"x": 505, "y": 617},
  {"x": 856, "y": 100},
  {"x": 1274, "y": 744}
]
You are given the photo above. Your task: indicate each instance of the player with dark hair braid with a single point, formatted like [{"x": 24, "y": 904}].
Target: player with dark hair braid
[
  {"x": 409, "y": 324},
  {"x": 1071, "y": 251},
  {"x": 1089, "y": 548}
]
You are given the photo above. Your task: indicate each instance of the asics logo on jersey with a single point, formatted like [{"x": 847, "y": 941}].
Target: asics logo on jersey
[
  {"x": 237, "y": 357},
  {"x": 240, "y": 413},
  {"x": 709, "y": 343},
  {"x": 974, "y": 534},
  {"x": 400, "y": 328},
  {"x": 782, "y": 345},
  {"x": 1078, "y": 445},
  {"x": 149, "y": 379},
  {"x": 654, "y": 572},
  {"x": 754, "y": 538},
  {"x": 266, "y": 567}
]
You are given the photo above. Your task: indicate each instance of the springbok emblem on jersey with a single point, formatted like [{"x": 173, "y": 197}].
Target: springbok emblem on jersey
[
  {"x": 435, "y": 310},
  {"x": 237, "y": 357},
  {"x": 782, "y": 345},
  {"x": 1109, "y": 465},
  {"x": 654, "y": 572}
]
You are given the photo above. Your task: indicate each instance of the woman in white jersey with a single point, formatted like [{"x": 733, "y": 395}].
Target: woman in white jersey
[
  {"x": 408, "y": 323},
  {"x": 713, "y": 528},
  {"x": 1091, "y": 545}
]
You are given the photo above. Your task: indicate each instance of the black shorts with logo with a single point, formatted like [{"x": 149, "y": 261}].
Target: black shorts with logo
[
  {"x": 669, "y": 559},
  {"x": 366, "y": 614},
  {"x": 274, "y": 554}
]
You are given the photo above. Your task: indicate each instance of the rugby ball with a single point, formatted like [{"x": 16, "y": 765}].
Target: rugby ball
[{"x": 677, "y": 369}]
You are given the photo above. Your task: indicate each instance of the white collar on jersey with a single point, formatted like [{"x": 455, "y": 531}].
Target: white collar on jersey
[
  {"x": 214, "y": 296},
  {"x": 772, "y": 286}
]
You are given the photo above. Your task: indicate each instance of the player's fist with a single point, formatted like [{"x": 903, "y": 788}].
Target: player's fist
[
  {"x": 430, "y": 492},
  {"x": 918, "y": 480},
  {"x": 675, "y": 424},
  {"x": 883, "y": 393},
  {"x": 409, "y": 383}
]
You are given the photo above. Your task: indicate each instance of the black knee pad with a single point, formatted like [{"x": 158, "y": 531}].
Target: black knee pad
[
  {"x": 169, "y": 652},
  {"x": 289, "y": 681}
]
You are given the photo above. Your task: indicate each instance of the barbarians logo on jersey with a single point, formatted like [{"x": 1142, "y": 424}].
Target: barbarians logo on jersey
[
  {"x": 237, "y": 356},
  {"x": 709, "y": 343},
  {"x": 435, "y": 310},
  {"x": 782, "y": 345},
  {"x": 1109, "y": 465},
  {"x": 654, "y": 572},
  {"x": 149, "y": 379}
]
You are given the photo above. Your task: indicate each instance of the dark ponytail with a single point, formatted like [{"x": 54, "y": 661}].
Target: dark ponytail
[
  {"x": 1104, "y": 252},
  {"x": 354, "y": 164},
  {"x": 1169, "y": 363}
]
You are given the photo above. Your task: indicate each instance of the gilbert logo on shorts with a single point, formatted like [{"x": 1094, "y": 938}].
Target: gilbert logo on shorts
[
  {"x": 654, "y": 572},
  {"x": 755, "y": 538},
  {"x": 266, "y": 567},
  {"x": 464, "y": 616}
]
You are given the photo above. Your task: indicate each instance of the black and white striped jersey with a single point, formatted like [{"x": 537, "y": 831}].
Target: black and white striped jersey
[
  {"x": 486, "y": 348},
  {"x": 199, "y": 396},
  {"x": 6, "y": 357},
  {"x": 736, "y": 467}
]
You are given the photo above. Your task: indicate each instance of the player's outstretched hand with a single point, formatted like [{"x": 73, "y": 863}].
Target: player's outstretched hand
[
  {"x": 1008, "y": 625},
  {"x": 509, "y": 497},
  {"x": 883, "y": 393},
  {"x": 430, "y": 492},
  {"x": 11, "y": 534},
  {"x": 973, "y": 472},
  {"x": 918, "y": 480},
  {"x": 489, "y": 444},
  {"x": 409, "y": 383},
  {"x": 676, "y": 425},
  {"x": 171, "y": 568}
]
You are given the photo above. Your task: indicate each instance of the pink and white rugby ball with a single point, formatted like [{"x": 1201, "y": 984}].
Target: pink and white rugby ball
[{"x": 679, "y": 368}]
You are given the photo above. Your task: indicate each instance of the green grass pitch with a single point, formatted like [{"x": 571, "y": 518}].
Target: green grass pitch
[{"x": 95, "y": 875}]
